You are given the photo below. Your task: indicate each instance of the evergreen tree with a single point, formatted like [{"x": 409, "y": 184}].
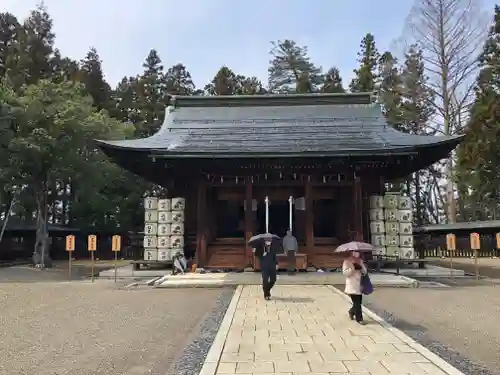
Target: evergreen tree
[
  {"x": 332, "y": 82},
  {"x": 35, "y": 46},
  {"x": 389, "y": 90},
  {"x": 291, "y": 69},
  {"x": 64, "y": 68},
  {"x": 178, "y": 80},
  {"x": 416, "y": 113},
  {"x": 92, "y": 77},
  {"x": 152, "y": 96},
  {"x": 225, "y": 82},
  {"x": 9, "y": 34},
  {"x": 478, "y": 166},
  {"x": 366, "y": 75},
  {"x": 249, "y": 86}
]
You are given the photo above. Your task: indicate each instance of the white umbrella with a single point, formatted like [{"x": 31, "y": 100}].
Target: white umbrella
[{"x": 355, "y": 246}]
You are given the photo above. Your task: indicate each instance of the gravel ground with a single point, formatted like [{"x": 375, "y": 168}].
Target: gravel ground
[
  {"x": 459, "y": 323},
  {"x": 90, "y": 329}
]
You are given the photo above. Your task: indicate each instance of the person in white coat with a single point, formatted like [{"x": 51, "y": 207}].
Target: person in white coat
[{"x": 353, "y": 269}]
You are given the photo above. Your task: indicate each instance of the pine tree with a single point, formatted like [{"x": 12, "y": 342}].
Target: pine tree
[
  {"x": 366, "y": 75},
  {"x": 389, "y": 90},
  {"x": 332, "y": 82},
  {"x": 478, "y": 166},
  {"x": 9, "y": 34},
  {"x": 36, "y": 46},
  {"x": 93, "y": 78},
  {"x": 225, "y": 82},
  {"x": 151, "y": 89},
  {"x": 249, "y": 86},
  {"x": 291, "y": 69},
  {"x": 178, "y": 80},
  {"x": 416, "y": 113}
]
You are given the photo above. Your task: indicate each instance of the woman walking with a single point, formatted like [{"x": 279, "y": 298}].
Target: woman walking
[{"x": 353, "y": 269}]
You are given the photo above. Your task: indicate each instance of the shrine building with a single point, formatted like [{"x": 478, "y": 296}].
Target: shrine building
[{"x": 324, "y": 153}]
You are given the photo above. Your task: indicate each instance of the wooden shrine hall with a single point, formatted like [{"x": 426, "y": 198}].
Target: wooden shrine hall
[{"x": 316, "y": 158}]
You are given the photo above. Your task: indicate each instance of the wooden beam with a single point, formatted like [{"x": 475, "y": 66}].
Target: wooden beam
[
  {"x": 309, "y": 217},
  {"x": 248, "y": 224},
  {"x": 357, "y": 210},
  {"x": 201, "y": 230}
]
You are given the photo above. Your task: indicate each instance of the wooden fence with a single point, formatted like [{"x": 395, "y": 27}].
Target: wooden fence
[{"x": 433, "y": 246}]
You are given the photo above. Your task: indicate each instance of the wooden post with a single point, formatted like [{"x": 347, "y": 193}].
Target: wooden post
[
  {"x": 309, "y": 216},
  {"x": 201, "y": 238},
  {"x": 248, "y": 224},
  {"x": 358, "y": 210}
]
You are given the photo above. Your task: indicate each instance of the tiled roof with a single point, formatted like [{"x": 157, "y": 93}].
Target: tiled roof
[{"x": 276, "y": 125}]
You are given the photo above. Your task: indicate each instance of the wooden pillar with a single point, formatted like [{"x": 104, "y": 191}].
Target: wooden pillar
[
  {"x": 309, "y": 217},
  {"x": 201, "y": 231},
  {"x": 248, "y": 224},
  {"x": 357, "y": 210}
]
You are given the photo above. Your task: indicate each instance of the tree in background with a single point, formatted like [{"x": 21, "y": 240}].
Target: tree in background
[
  {"x": 332, "y": 82},
  {"x": 478, "y": 166},
  {"x": 92, "y": 77},
  {"x": 390, "y": 89},
  {"x": 450, "y": 34},
  {"x": 225, "y": 82},
  {"x": 366, "y": 75},
  {"x": 416, "y": 114},
  {"x": 291, "y": 69}
]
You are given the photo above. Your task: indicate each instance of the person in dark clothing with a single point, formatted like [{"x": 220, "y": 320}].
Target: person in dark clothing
[{"x": 268, "y": 265}]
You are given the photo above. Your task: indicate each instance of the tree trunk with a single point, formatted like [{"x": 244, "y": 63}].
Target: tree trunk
[
  {"x": 451, "y": 210},
  {"x": 41, "y": 255},
  {"x": 7, "y": 215},
  {"x": 418, "y": 199}
]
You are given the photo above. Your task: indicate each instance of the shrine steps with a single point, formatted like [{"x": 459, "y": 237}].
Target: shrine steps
[{"x": 226, "y": 253}]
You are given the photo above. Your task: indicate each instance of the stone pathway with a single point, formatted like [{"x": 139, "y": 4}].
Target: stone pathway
[{"x": 306, "y": 330}]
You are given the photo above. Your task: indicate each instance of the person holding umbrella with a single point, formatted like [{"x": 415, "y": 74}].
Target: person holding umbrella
[
  {"x": 265, "y": 249},
  {"x": 353, "y": 269}
]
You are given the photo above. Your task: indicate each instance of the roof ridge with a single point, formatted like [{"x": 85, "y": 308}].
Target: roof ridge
[{"x": 271, "y": 100}]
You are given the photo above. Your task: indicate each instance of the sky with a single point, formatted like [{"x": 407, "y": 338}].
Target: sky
[{"x": 206, "y": 34}]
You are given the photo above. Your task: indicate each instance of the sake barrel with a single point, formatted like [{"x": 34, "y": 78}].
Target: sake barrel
[
  {"x": 376, "y": 201},
  {"x": 405, "y": 228},
  {"x": 151, "y": 216},
  {"x": 177, "y": 242},
  {"x": 150, "y": 241},
  {"x": 177, "y": 229},
  {"x": 392, "y": 240},
  {"x": 378, "y": 240},
  {"x": 391, "y": 215},
  {"x": 392, "y": 227},
  {"x": 406, "y": 216},
  {"x": 164, "y": 217},
  {"x": 150, "y": 203},
  {"x": 391, "y": 201},
  {"x": 393, "y": 251},
  {"x": 164, "y": 230},
  {"x": 150, "y": 254},
  {"x": 164, "y": 255},
  {"x": 163, "y": 242},
  {"x": 407, "y": 253},
  {"x": 404, "y": 203},
  {"x": 376, "y": 214},
  {"x": 163, "y": 204},
  {"x": 406, "y": 241},
  {"x": 178, "y": 204},
  {"x": 151, "y": 229},
  {"x": 381, "y": 250},
  {"x": 177, "y": 217},
  {"x": 377, "y": 227}
]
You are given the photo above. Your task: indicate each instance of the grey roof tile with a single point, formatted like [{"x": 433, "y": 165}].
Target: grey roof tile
[{"x": 276, "y": 129}]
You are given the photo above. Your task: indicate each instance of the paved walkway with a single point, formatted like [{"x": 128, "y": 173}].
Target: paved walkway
[{"x": 306, "y": 330}]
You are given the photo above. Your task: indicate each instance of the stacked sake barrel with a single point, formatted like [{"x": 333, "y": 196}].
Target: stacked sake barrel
[
  {"x": 391, "y": 225},
  {"x": 150, "y": 241},
  {"x": 176, "y": 221},
  {"x": 164, "y": 228}
]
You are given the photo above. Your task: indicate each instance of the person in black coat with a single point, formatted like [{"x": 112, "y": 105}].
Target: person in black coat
[{"x": 268, "y": 263}]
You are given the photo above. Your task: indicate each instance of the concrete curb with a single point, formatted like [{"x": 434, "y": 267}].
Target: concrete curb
[
  {"x": 215, "y": 352},
  {"x": 438, "y": 361}
]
